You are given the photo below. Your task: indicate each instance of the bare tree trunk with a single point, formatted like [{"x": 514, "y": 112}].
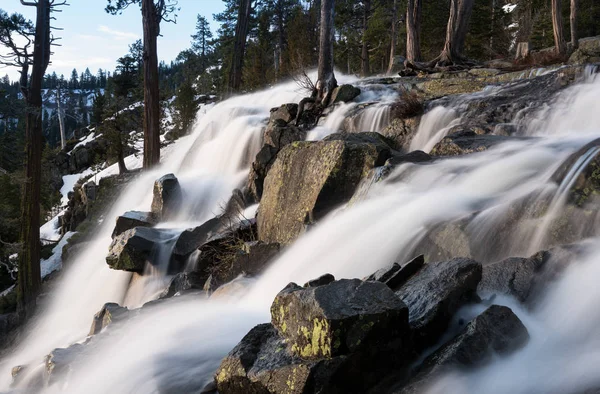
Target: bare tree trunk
[
  {"x": 29, "y": 276},
  {"x": 365, "y": 68},
  {"x": 280, "y": 37},
  {"x": 239, "y": 45},
  {"x": 394, "y": 40},
  {"x": 326, "y": 81},
  {"x": 573, "y": 20},
  {"x": 61, "y": 118},
  {"x": 557, "y": 26},
  {"x": 456, "y": 32},
  {"x": 151, "y": 22},
  {"x": 413, "y": 31}
]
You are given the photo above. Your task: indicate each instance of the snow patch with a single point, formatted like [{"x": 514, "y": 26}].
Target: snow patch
[
  {"x": 69, "y": 182},
  {"x": 54, "y": 262},
  {"x": 50, "y": 231}
]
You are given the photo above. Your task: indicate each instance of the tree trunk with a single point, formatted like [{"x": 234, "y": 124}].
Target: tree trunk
[
  {"x": 29, "y": 276},
  {"x": 364, "y": 56},
  {"x": 151, "y": 22},
  {"x": 413, "y": 31},
  {"x": 326, "y": 81},
  {"x": 239, "y": 45},
  {"x": 573, "y": 20},
  {"x": 280, "y": 38},
  {"x": 456, "y": 32},
  {"x": 394, "y": 38},
  {"x": 557, "y": 26},
  {"x": 61, "y": 119}
]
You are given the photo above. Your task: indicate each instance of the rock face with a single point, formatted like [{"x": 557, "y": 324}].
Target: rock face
[
  {"x": 110, "y": 313},
  {"x": 434, "y": 294},
  {"x": 132, "y": 219},
  {"x": 167, "y": 197},
  {"x": 497, "y": 331},
  {"x": 130, "y": 250},
  {"x": 308, "y": 179},
  {"x": 462, "y": 143},
  {"x": 192, "y": 239},
  {"x": 286, "y": 113},
  {"x": 338, "y": 318},
  {"x": 337, "y": 338},
  {"x": 344, "y": 94},
  {"x": 588, "y": 51}
]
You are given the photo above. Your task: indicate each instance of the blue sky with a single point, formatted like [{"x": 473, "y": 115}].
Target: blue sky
[{"x": 92, "y": 38}]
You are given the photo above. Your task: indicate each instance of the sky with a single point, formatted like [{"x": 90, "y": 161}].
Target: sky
[{"x": 94, "y": 39}]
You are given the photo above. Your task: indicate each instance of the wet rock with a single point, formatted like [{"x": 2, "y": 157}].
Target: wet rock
[
  {"x": 417, "y": 156},
  {"x": 445, "y": 241},
  {"x": 434, "y": 294},
  {"x": 497, "y": 331},
  {"x": 183, "y": 282},
  {"x": 62, "y": 361},
  {"x": 236, "y": 205},
  {"x": 109, "y": 314},
  {"x": 340, "y": 318},
  {"x": 383, "y": 274},
  {"x": 167, "y": 197},
  {"x": 344, "y": 94},
  {"x": 484, "y": 72},
  {"x": 506, "y": 129},
  {"x": 130, "y": 250},
  {"x": 285, "y": 113},
  {"x": 466, "y": 142},
  {"x": 280, "y": 136},
  {"x": 132, "y": 219},
  {"x": 401, "y": 132},
  {"x": 192, "y": 239},
  {"x": 399, "y": 277},
  {"x": 234, "y": 289},
  {"x": 253, "y": 258},
  {"x": 308, "y": 179},
  {"x": 320, "y": 281}
]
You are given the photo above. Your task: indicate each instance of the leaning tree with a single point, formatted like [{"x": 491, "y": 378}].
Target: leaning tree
[
  {"x": 153, "y": 12},
  {"x": 29, "y": 48}
]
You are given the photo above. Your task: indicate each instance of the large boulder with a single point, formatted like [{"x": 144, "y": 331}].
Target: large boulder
[
  {"x": 587, "y": 52},
  {"x": 285, "y": 113},
  {"x": 435, "y": 293},
  {"x": 192, "y": 239},
  {"x": 133, "y": 219},
  {"x": 308, "y": 179},
  {"x": 340, "y": 318},
  {"x": 344, "y": 94},
  {"x": 132, "y": 249},
  {"x": 167, "y": 197},
  {"x": 495, "y": 332}
]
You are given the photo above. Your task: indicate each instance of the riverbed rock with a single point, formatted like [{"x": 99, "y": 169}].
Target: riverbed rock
[
  {"x": 416, "y": 156},
  {"x": 62, "y": 361},
  {"x": 435, "y": 293},
  {"x": 192, "y": 239},
  {"x": 401, "y": 132},
  {"x": 285, "y": 113},
  {"x": 184, "y": 282},
  {"x": 465, "y": 142},
  {"x": 167, "y": 197},
  {"x": 495, "y": 332},
  {"x": 130, "y": 250},
  {"x": 109, "y": 314},
  {"x": 308, "y": 179},
  {"x": 132, "y": 219},
  {"x": 587, "y": 52},
  {"x": 344, "y": 94},
  {"x": 340, "y": 318}
]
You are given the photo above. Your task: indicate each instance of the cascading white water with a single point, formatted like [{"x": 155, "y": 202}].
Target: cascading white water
[
  {"x": 434, "y": 126},
  {"x": 178, "y": 345}
]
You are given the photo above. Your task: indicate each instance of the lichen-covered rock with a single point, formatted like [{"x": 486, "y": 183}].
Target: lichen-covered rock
[
  {"x": 109, "y": 314},
  {"x": 307, "y": 180},
  {"x": 495, "y": 332},
  {"x": 167, "y": 197},
  {"x": 344, "y": 94},
  {"x": 434, "y": 294},
  {"x": 587, "y": 52},
  {"x": 401, "y": 131},
  {"x": 132, "y": 219},
  {"x": 130, "y": 250},
  {"x": 340, "y": 318}
]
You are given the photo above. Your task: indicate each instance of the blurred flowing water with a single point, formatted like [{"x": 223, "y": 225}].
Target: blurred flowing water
[{"x": 176, "y": 346}]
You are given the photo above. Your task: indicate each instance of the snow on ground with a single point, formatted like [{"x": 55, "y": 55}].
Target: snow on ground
[
  {"x": 86, "y": 140},
  {"x": 50, "y": 230},
  {"x": 132, "y": 162},
  {"x": 508, "y": 8},
  {"x": 54, "y": 262},
  {"x": 69, "y": 182}
]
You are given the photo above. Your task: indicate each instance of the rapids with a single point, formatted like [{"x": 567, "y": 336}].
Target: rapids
[{"x": 177, "y": 345}]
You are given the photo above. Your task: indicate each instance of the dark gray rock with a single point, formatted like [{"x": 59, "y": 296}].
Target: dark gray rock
[
  {"x": 109, "y": 314},
  {"x": 344, "y": 94},
  {"x": 285, "y": 113},
  {"x": 167, "y": 197},
  {"x": 401, "y": 276},
  {"x": 417, "y": 156},
  {"x": 506, "y": 129},
  {"x": 130, "y": 250},
  {"x": 340, "y": 318},
  {"x": 320, "y": 281},
  {"x": 435, "y": 293},
  {"x": 62, "y": 361},
  {"x": 132, "y": 219},
  {"x": 192, "y": 239},
  {"x": 466, "y": 142},
  {"x": 183, "y": 282}
]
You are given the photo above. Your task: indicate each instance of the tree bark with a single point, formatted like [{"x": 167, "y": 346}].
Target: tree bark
[
  {"x": 29, "y": 277},
  {"x": 364, "y": 56},
  {"x": 151, "y": 21},
  {"x": 239, "y": 45},
  {"x": 394, "y": 38},
  {"x": 573, "y": 20},
  {"x": 280, "y": 37},
  {"x": 326, "y": 81},
  {"x": 61, "y": 119},
  {"x": 456, "y": 32},
  {"x": 557, "y": 26},
  {"x": 413, "y": 31}
]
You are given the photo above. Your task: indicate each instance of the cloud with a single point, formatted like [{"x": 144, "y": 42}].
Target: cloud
[{"x": 118, "y": 35}]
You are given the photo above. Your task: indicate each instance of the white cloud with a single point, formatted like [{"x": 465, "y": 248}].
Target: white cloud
[{"x": 118, "y": 35}]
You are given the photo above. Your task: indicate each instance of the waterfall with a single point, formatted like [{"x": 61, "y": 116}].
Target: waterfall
[{"x": 177, "y": 345}]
